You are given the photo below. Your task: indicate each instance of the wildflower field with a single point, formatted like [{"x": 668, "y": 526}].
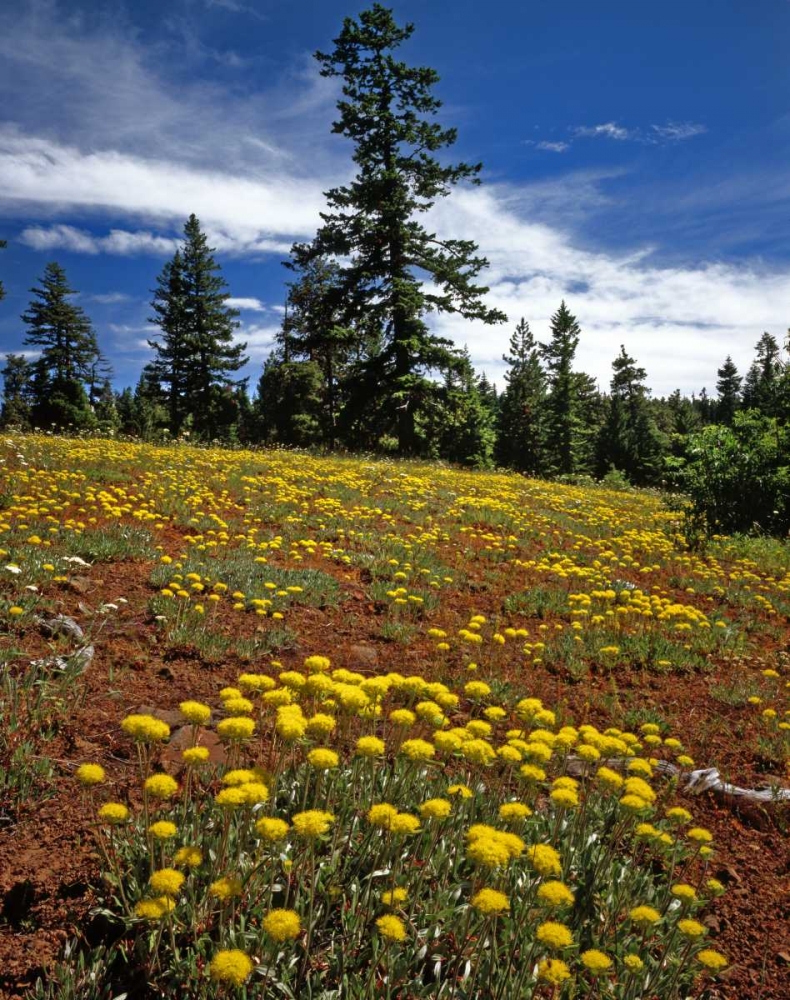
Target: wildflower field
[{"x": 284, "y": 726}]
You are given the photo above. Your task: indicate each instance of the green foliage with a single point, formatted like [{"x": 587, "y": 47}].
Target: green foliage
[
  {"x": 738, "y": 478},
  {"x": 289, "y": 404}
]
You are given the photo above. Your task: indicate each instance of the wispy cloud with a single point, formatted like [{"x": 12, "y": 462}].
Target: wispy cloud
[
  {"x": 670, "y": 131},
  {"x": 551, "y": 147},
  {"x": 235, "y": 8},
  {"x": 118, "y": 242},
  {"x": 247, "y": 305},
  {"x": 259, "y": 215},
  {"x": 609, "y": 130},
  {"x": 109, "y": 298},
  {"x": 678, "y": 131}
]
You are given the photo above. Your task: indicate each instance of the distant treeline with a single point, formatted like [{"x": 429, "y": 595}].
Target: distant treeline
[{"x": 355, "y": 365}]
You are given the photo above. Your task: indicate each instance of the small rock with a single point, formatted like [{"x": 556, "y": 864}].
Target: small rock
[{"x": 362, "y": 657}]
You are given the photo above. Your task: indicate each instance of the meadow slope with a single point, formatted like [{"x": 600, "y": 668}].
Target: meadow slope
[{"x": 433, "y": 707}]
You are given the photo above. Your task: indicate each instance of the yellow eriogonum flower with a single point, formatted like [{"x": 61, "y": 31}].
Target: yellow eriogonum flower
[
  {"x": 553, "y": 971},
  {"x": 381, "y": 814},
  {"x": 394, "y": 897},
  {"x": 90, "y": 774},
  {"x": 225, "y": 888},
  {"x": 189, "y": 857},
  {"x": 404, "y": 823},
  {"x": 392, "y": 928},
  {"x": 195, "y": 755},
  {"x": 435, "y": 809},
  {"x": 513, "y": 811},
  {"x": 462, "y": 791},
  {"x": 713, "y": 960},
  {"x": 145, "y": 728},
  {"x": 554, "y": 935},
  {"x": 684, "y": 892},
  {"x": 236, "y": 728},
  {"x": 282, "y": 925},
  {"x": 161, "y": 786},
  {"x": 113, "y": 813},
  {"x": 644, "y": 915},
  {"x": 555, "y": 894},
  {"x": 490, "y": 902},
  {"x": 230, "y": 966},
  {"x": 195, "y": 712},
  {"x": 322, "y": 759},
  {"x": 167, "y": 881},
  {"x": 370, "y": 746},
  {"x": 544, "y": 859},
  {"x": 691, "y": 928},
  {"x": 270, "y": 829},
  {"x": 418, "y": 749},
  {"x": 163, "y": 830},
  {"x": 312, "y": 823},
  {"x": 596, "y": 961},
  {"x": 153, "y": 909}
]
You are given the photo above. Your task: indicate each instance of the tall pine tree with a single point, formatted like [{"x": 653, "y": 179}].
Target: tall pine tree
[
  {"x": 562, "y": 404},
  {"x": 372, "y": 228},
  {"x": 68, "y": 351},
  {"x": 762, "y": 380},
  {"x": 17, "y": 401},
  {"x": 728, "y": 388},
  {"x": 520, "y": 423},
  {"x": 195, "y": 353},
  {"x": 172, "y": 346},
  {"x": 629, "y": 439}
]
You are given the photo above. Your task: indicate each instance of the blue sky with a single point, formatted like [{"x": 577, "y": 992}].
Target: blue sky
[{"x": 634, "y": 163}]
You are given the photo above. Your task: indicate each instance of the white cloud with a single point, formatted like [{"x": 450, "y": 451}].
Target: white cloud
[
  {"x": 246, "y": 305},
  {"x": 679, "y": 322},
  {"x": 253, "y": 214},
  {"x": 109, "y": 298},
  {"x": 118, "y": 242},
  {"x": 609, "y": 130},
  {"x": 677, "y": 131},
  {"x": 668, "y": 132},
  {"x": 553, "y": 147},
  {"x": 259, "y": 339}
]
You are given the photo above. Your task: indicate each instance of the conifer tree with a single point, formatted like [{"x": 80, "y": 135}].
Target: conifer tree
[
  {"x": 68, "y": 351},
  {"x": 372, "y": 227},
  {"x": 629, "y": 439},
  {"x": 195, "y": 353},
  {"x": 728, "y": 388},
  {"x": 313, "y": 332},
  {"x": 520, "y": 422},
  {"x": 761, "y": 382},
  {"x": 17, "y": 375},
  {"x": 172, "y": 347},
  {"x": 562, "y": 403},
  {"x": 465, "y": 431}
]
